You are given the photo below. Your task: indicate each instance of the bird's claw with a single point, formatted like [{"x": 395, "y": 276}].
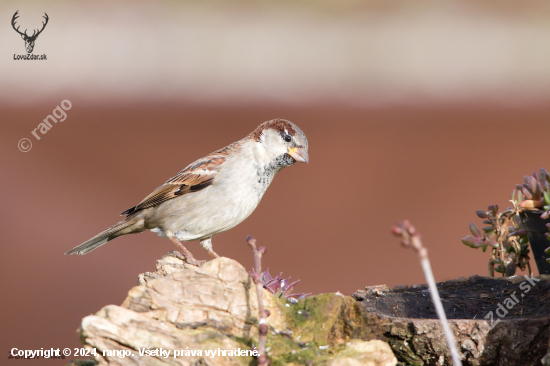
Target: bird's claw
[
  {"x": 195, "y": 262},
  {"x": 192, "y": 261}
]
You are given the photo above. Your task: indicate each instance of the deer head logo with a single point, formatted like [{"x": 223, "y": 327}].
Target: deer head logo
[{"x": 29, "y": 40}]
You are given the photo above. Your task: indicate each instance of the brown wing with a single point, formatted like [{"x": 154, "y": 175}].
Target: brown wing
[{"x": 195, "y": 177}]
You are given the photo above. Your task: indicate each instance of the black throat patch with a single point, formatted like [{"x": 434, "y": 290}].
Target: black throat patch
[{"x": 266, "y": 174}]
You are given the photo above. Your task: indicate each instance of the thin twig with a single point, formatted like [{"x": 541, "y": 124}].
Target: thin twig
[
  {"x": 412, "y": 239},
  {"x": 263, "y": 314}
]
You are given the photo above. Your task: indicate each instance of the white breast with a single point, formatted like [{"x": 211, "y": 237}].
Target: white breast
[{"x": 235, "y": 193}]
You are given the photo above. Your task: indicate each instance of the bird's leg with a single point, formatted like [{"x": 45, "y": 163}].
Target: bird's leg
[
  {"x": 206, "y": 244},
  {"x": 187, "y": 254}
]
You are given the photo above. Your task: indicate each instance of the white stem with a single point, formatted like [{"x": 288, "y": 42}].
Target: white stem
[{"x": 451, "y": 343}]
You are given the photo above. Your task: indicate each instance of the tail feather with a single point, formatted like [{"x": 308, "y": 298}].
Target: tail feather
[{"x": 103, "y": 237}]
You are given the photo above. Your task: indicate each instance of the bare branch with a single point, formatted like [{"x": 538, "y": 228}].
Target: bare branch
[
  {"x": 411, "y": 239},
  {"x": 263, "y": 314}
]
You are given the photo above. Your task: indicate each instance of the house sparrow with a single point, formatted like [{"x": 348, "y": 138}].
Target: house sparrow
[{"x": 214, "y": 193}]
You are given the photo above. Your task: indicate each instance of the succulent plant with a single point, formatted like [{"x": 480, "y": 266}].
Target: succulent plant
[
  {"x": 479, "y": 240},
  {"x": 535, "y": 192},
  {"x": 504, "y": 233},
  {"x": 278, "y": 286}
]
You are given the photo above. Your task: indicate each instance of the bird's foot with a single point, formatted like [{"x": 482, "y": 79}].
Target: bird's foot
[
  {"x": 195, "y": 262},
  {"x": 187, "y": 254},
  {"x": 180, "y": 256}
]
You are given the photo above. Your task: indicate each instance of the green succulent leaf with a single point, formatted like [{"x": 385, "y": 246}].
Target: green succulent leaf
[
  {"x": 510, "y": 269},
  {"x": 475, "y": 230},
  {"x": 520, "y": 196},
  {"x": 542, "y": 176},
  {"x": 469, "y": 241},
  {"x": 481, "y": 214}
]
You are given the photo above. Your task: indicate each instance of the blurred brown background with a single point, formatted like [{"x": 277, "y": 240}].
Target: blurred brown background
[{"x": 426, "y": 112}]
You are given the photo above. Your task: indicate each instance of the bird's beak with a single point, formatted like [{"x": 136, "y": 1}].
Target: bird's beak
[{"x": 299, "y": 154}]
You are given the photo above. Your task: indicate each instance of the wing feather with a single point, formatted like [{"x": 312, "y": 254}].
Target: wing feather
[{"x": 196, "y": 176}]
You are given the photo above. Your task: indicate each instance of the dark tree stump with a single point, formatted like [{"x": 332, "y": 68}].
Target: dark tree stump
[{"x": 496, "y": 321}]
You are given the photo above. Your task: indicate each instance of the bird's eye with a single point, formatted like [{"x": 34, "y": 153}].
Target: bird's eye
[{"x": 288, "y": 138}]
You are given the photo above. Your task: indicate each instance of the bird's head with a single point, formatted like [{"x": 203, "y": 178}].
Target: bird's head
[{"x": 282, "y": 142}]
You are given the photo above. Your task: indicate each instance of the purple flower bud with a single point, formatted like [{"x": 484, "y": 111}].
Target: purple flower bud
[
  {"x": 396, "y": 230},
  {"x": 481, "y": 214},
  {"x": 494, "y": 208}
]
